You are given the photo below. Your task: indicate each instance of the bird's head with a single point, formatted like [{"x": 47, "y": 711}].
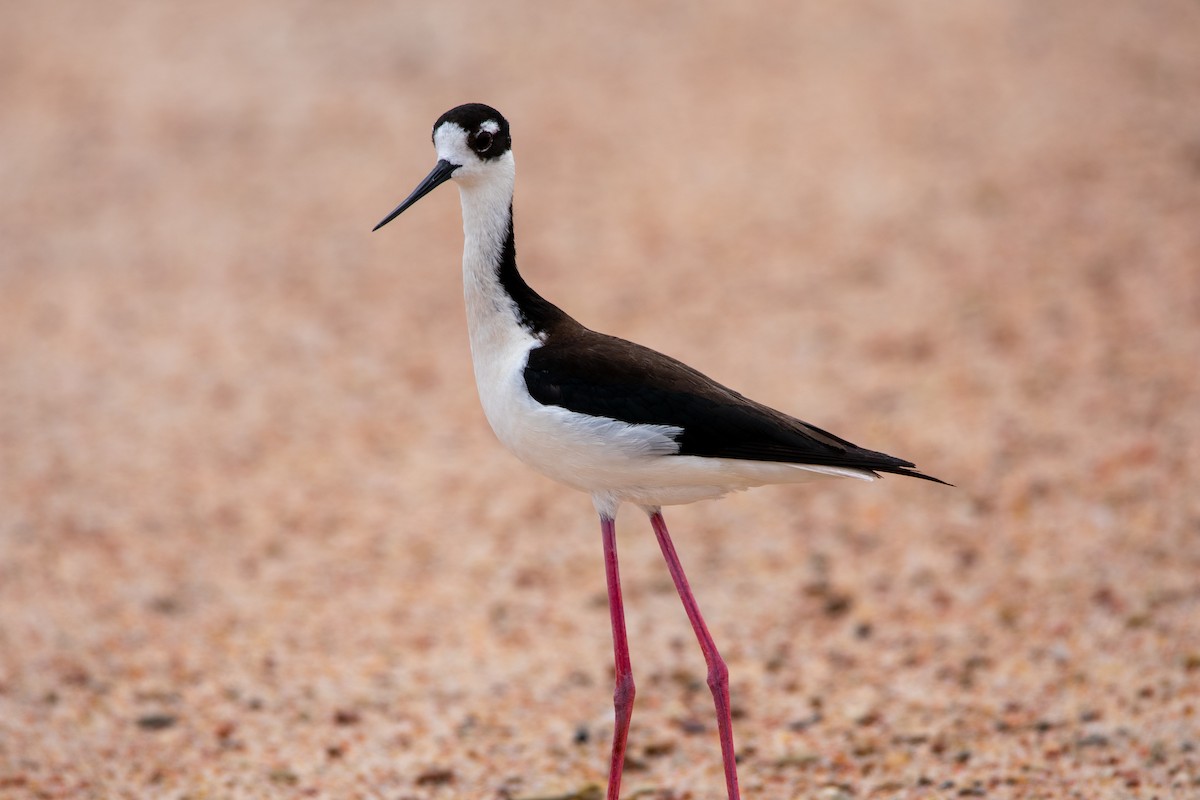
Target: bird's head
[{"x": 473, "y": 147}]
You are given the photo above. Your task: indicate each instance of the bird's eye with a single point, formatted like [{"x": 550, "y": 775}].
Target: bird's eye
[{"x": 481, "y": 141}]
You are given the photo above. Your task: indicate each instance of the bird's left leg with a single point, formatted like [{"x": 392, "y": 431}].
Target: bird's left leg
[{"x": 718, "y": 673}]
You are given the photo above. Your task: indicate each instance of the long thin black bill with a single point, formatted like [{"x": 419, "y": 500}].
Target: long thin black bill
[{"x": 440, "y": 174}]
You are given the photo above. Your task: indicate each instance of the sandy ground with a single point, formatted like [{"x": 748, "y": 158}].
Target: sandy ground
[{"x": 257, "y": 541}]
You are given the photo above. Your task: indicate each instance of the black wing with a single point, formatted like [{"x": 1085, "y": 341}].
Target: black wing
[{"x": 604, "y": 376}]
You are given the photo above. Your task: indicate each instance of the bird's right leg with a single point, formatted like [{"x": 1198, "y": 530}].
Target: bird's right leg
[{"x": 623, "y": 694}]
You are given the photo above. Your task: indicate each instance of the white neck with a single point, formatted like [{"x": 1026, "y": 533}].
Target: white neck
[
  {"x": 499, "y": 342},
  {"x": 486, "y": 203}
]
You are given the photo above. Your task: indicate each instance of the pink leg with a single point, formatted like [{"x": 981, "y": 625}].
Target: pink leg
[
  {"x": 623, "y": 694},
  {"x": 718, "y": 673}
]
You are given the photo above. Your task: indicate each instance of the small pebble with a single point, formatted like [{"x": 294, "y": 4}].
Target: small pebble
[{"x": 156, "y": 722}]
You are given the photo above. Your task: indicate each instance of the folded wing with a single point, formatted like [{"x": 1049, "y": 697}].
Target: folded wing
[{"x": 598, "y": 375}]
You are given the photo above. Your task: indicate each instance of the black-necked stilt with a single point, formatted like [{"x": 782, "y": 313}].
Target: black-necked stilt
[{"x": 606, "y": 416}]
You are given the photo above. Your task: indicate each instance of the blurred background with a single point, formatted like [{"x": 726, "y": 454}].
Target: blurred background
[{"x": 257, "y": 540}]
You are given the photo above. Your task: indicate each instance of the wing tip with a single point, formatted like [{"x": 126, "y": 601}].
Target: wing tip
[{"x": 911, "y": 472}]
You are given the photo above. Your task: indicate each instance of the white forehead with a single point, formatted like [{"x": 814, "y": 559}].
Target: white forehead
[{"x": 450, "y": 141}]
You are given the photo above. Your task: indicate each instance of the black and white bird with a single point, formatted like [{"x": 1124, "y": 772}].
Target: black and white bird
[{"x": 606, "y": 416}]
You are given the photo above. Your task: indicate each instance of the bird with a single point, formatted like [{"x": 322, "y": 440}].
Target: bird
[{"x": 609, "y": 417}]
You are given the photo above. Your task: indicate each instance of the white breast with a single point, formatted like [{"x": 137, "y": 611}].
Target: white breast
[{"x": 588, "y": 453}]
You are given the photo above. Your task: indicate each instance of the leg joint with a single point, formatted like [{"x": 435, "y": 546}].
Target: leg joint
[
  {"x": 625, "y": 690},
  {"x": 718, "y": 673}
]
